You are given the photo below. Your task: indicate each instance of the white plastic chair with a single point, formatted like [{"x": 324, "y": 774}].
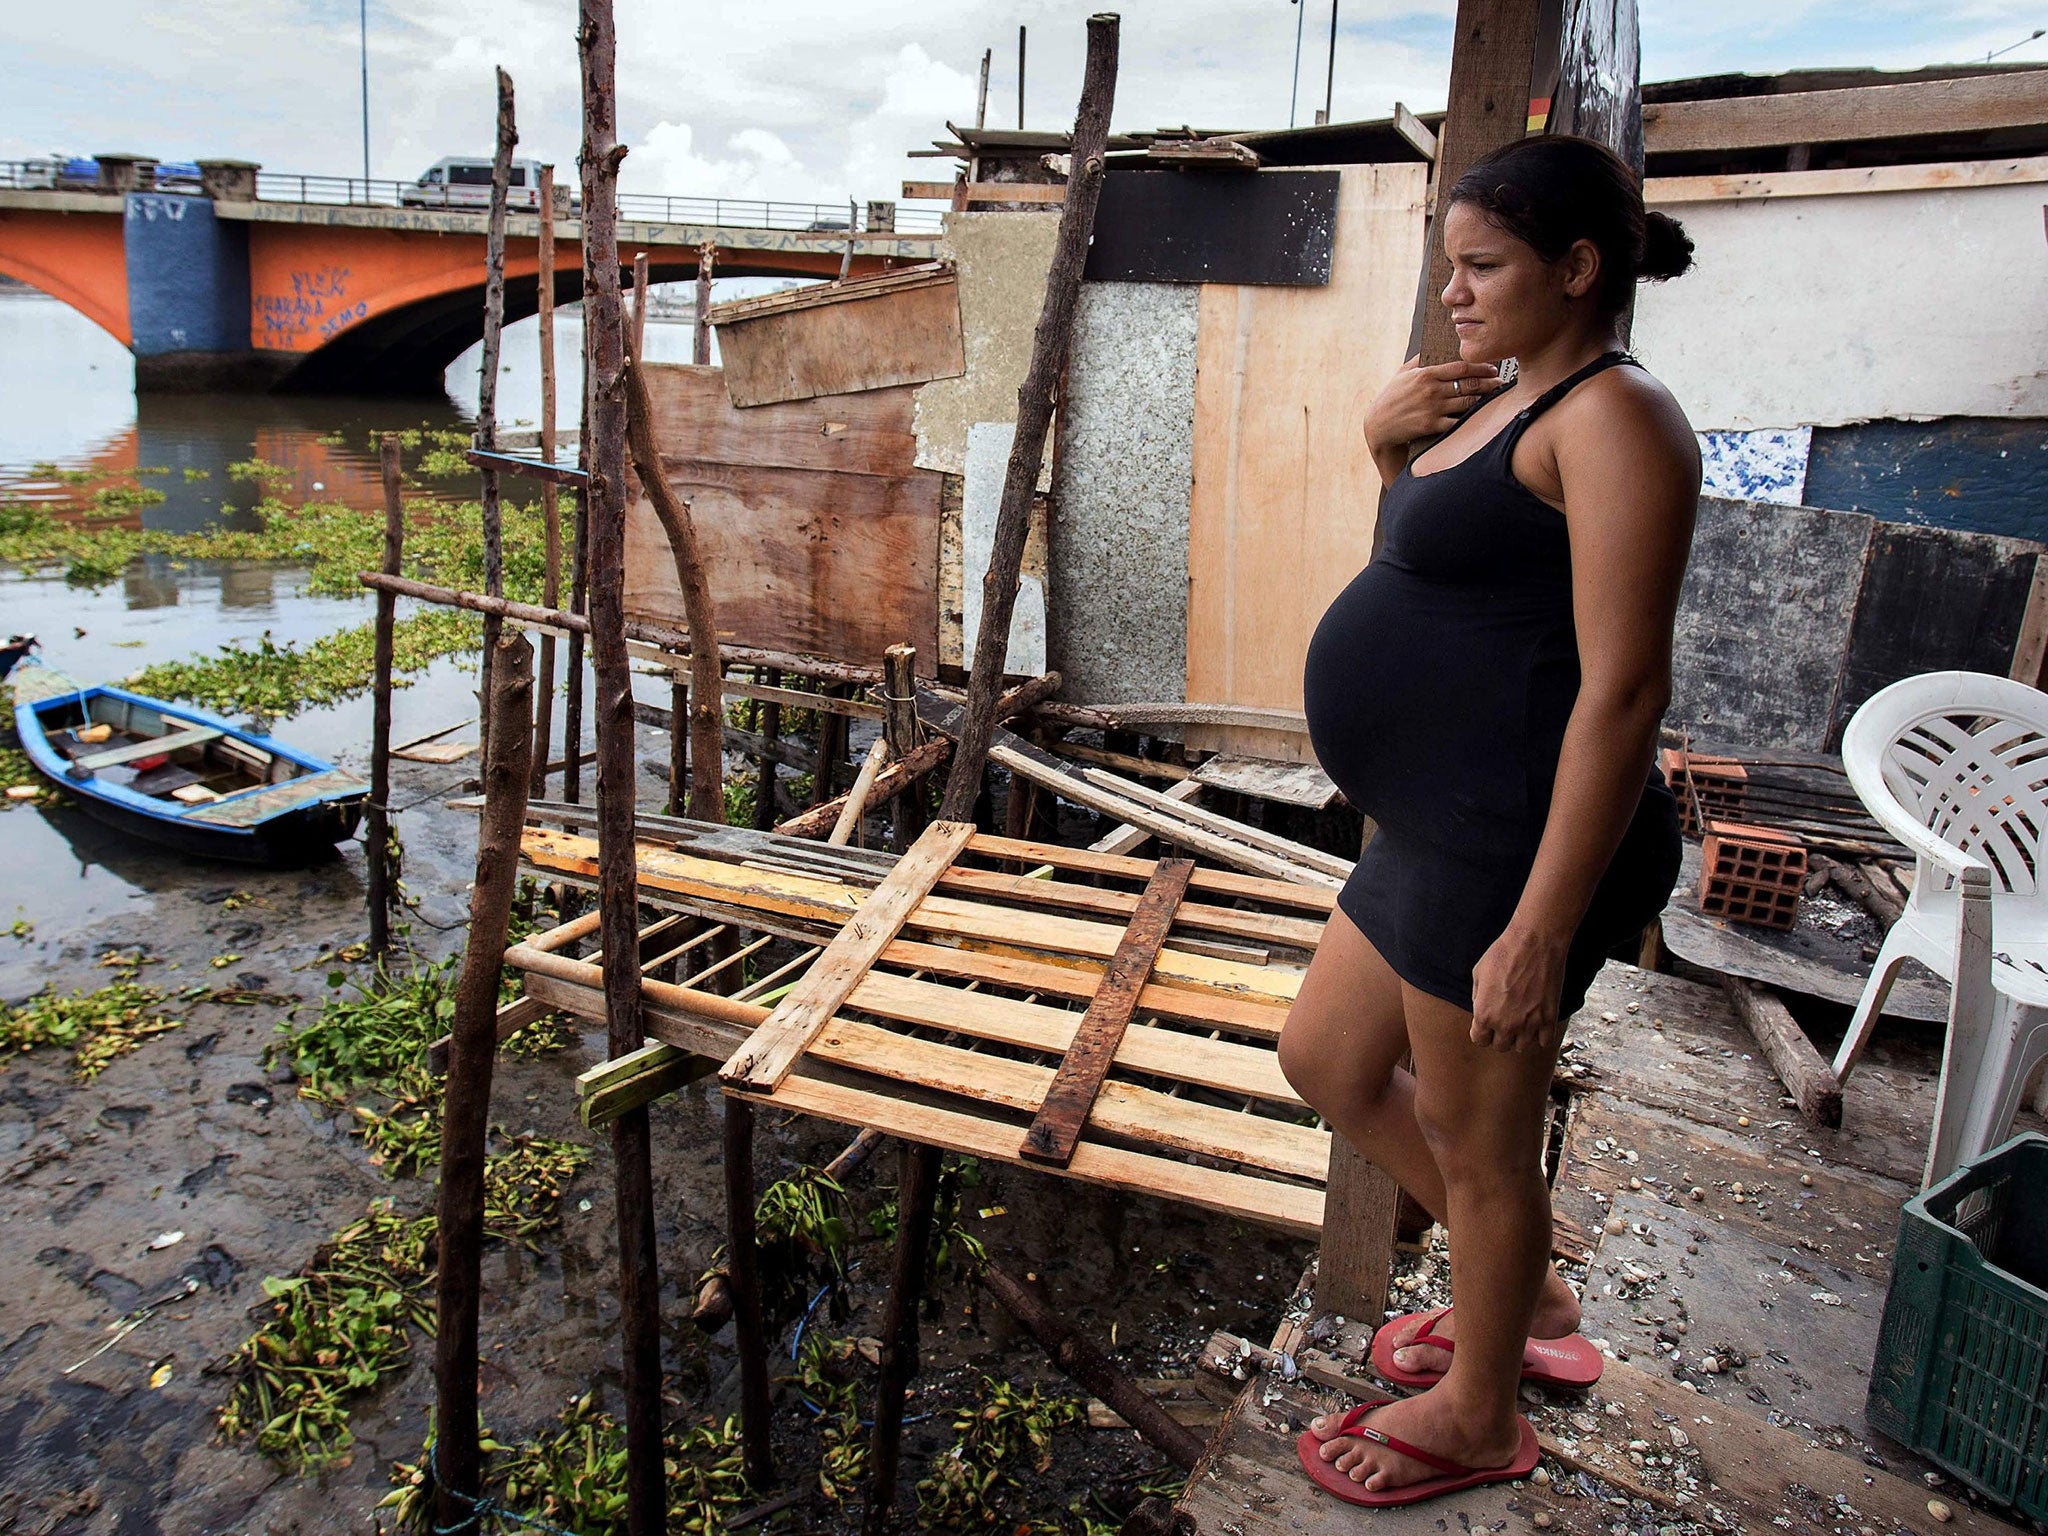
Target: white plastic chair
[{"x": 1955, "y": 766}]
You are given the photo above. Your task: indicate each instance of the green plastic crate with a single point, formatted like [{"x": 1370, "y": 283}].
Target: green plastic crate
[{"x": 1961, "y": 1373}]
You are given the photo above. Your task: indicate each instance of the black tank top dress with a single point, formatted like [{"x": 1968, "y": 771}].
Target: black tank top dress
[{"x": 1437, "y": 691}]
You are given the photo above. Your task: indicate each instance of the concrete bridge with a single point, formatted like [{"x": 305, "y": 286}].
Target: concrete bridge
[{"x": 262, "y": 281}]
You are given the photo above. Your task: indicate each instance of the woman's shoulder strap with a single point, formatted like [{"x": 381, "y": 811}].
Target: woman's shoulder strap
[{"x": 1565, "y": 386}]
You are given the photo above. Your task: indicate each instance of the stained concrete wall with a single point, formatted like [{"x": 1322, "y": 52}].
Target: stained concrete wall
[
  {"x": 1002, "y": 260},
  {"x": 1119, "y": 576}
]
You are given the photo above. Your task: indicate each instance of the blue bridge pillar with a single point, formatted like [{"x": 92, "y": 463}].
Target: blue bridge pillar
[{"x": 188, "y": 296}]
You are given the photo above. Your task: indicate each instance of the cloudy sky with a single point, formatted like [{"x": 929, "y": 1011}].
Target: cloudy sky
[{"x": 805, "y": 99}]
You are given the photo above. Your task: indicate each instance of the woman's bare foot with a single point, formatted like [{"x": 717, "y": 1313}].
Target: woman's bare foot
[
  {"x": 1429, "y": 1422},
  {"x": 1557, "y": 1314}
]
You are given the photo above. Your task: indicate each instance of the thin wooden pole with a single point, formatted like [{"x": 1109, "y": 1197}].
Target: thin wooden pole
[
  {"x": 639, "y": 1276},
  {"x": 377, "y": 824},
  {"x": 550, "y": 496},
  {"x": 917, "y": 1187},
  {"x": 770, "y": 725},
  {"x": 472, "y": 1048},
  {"x": 743, "y": 1270},
  {"x": 639, "y": 305},
  {"x": 707, "y": 672},
  {"x": 1034, "y": 416},
  {"x": 899, "y": 726},
  {"x": 700, "y": 329},
  {"x": 678, "y": 742},
  {"x": 831, "y": 753},
  {"x": 487, "y": 386}
]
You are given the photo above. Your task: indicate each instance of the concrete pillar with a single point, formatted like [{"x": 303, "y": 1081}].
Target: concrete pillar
[
  {"x": 126, "y": 173},
  {"x": 188, "y": 297},
  {"x": 229, "y": 181}
]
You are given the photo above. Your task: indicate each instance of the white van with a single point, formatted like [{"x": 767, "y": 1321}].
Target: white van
[{"x": 457, "y": 182}]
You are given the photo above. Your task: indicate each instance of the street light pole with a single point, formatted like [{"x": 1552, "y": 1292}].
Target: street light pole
[
  {"x": 1294, "y": 83},
  {"x": 363, "y": 18},
  {"x": 1329, "y": 80}
]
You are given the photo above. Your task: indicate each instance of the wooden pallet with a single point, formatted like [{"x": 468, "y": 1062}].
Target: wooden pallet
[{"x": 951, "y": 984}]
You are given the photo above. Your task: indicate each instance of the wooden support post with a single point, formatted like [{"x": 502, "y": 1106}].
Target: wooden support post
[
  {"x": 771, "y": 734},
  {"x": 487, "y": 390},
  {"x": 1493, "y": 60},
  {"x": 678, "y": 742},
  {"x": 618, "y": 889},
  {"x": 639, "y": 304},
  {"x": 707, "y": 672},
  {"x": 1361, "y": 1210},
  {"x": 743, "y": 1270},
  {"x": 899, "y": 726},
  {"x": 857, "y": 797},
  {"x": 473, "y": 1047},
  {"x": 377, "y": 820},
  {"x": 1798, "y": 1063},
  {"x": 1086, "y": 1363},
  {"x": 917, "y": 1188},
  {"x": 700, "y": 329},
  {"x": 1034, "y": 417},
  {"x": 550, "y": 494},
  {"x": 579, "y": 602},
  {"x": 831, "y": 753},
  {"x": 902, "y": 777}
]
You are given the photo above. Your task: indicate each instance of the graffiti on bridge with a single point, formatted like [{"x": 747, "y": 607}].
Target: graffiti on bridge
[{"x": 316, "y": 304}]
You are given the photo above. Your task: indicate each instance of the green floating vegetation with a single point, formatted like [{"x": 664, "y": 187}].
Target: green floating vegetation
[
  {"x": 120, "y": 500},
  {"x": 573, "y": 1475},
  {"x": 1007, "y": 1428},
  {"x": 444, "y": 463},
  {"x": 278, "y": 680},
  {"x": 97, "y": 1026}
]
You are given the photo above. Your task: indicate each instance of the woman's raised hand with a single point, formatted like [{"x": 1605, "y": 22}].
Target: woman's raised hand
[{"x": 1421, "y": 402}]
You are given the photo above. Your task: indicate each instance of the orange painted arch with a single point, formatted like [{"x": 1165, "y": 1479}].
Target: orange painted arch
[{"x": 80, "y": 258}]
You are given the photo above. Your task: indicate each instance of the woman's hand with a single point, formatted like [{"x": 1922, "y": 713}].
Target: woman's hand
[
  {"x": 1515, "y": 989},
  {"x": 1423, "y": 402}
]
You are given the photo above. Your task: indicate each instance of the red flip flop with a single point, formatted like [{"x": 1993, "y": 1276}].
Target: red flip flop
[
  {"x": 1324, "y": 1474},
  {"x": 1571, "y": 1361}
]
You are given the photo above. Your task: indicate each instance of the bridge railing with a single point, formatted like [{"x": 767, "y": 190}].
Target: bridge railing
[{"x": 361, "y": 192}]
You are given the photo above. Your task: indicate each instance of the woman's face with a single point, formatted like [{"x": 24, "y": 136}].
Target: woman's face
[{"x": 1504, "y": 298}]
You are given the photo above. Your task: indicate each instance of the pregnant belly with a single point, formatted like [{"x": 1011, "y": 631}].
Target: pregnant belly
[{"x": 1420, "y": 708}]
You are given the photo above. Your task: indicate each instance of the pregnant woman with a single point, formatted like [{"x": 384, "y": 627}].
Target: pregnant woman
[{"x": 1488, "y": 691}]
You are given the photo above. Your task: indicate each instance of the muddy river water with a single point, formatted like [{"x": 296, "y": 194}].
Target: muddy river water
[{"x": 113, "y": 1331}]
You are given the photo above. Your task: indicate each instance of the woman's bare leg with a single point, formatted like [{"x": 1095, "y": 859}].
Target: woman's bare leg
[
  {"x": 1481, "y": 1112},
  {"x": 1342, "y": 1049}
]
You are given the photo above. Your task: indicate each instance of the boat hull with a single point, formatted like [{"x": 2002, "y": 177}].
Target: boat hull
[{"x": 306, "y": 835}]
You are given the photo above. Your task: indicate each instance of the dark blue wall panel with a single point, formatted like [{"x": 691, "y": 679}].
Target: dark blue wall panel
[
  {"x": 1980, "y": 474},
  {"x": 188, "y": 276}
]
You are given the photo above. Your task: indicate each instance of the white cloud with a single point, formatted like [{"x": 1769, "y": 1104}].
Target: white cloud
[{"x": 754, "y": 164}]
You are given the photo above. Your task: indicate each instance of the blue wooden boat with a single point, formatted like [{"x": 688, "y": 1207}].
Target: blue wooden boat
[{"x": 176, "y": 776}]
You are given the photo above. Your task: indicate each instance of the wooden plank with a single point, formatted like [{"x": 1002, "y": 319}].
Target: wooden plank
[
  {"x": 1668, "y": 191},
  {"x": 1285, "y": 494},
  {"x": 791, "y": 555},
  {"x": 1159, "y": 1121},
  {"x": 767, "y": 1057},
  {"x": 174, "y": 741},
  {"x": 872, "y": 433},
  {"x": 843, "y": 340},
  {"x": 1295, "y": 853},
  {"x": 1263, "y": 1202},
  {"x": 1415, "y": 131},
  {"x": 1056, "y": 1128},
  {"x": 1179, "y": 1056},
  {"x": 1126, "y": 839},
  {"x": 1215, "y": 882},
  {"x": 1973, "y": 104},
  {"x": 610, "y": 1088},
  {"x": 1260, "y": 1018},
  {"x": 815, "y": 295},
  {"x": 755, "y": 893},
  {"x": 1048, "y": 194},
  {"x": 252, "y": 806},
  {"x": 1361, "y": 1217},
  {"x": 512, "y": 1017},
  {"x": 436, "y": 751},
  {"x": 1301, "y": 784},
  {"x": 1025, "y": 890}
]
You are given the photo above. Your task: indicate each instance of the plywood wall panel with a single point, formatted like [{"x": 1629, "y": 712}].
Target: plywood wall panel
[
  {"x": 1285, "y": 495},
  {"x": 873, "y": 336}
]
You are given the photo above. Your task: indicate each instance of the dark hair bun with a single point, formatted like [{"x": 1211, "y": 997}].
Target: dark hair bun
[{"x": 1667, "y": 248}]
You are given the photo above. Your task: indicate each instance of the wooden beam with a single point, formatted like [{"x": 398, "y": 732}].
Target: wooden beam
[
  {"x": 530, "y": 469},
  {"x": 1415, "y": 131},
  {"x": 1798, "y": 1063},
  {"x": 639, "y": 1077},
  {"x": 1056, "y": 1129},
  {"x": 765, "y": 1060},
  {"x": 1973, "y": 104},
  {"x": 1361, "y": 1211},
  {"x": 1660, "y": 191}
]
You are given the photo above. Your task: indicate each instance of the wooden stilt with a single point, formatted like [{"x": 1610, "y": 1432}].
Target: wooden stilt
[
  {"x": 771, "y": 735},
  {"x": 550, "y": 495},
  {"x": 678, "y": 742},
  {"x": 377, "y": 821},
  {"x": 579, "y": 599},
  {"x": 639, "y": 304},
  {"x": 831, "y": 752},
  {"x": 700, "y": 337},
  {"x": 917, "y": 1189},
  {"x": 487, "y": 388},
  {"x": 743, "y": 1271},
  {"x": 472, "y": 1049},
  {"x": 899, "y": 725},
  {"x": 605, "y": 445},
  {"x": 1034, "y": 416}
]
